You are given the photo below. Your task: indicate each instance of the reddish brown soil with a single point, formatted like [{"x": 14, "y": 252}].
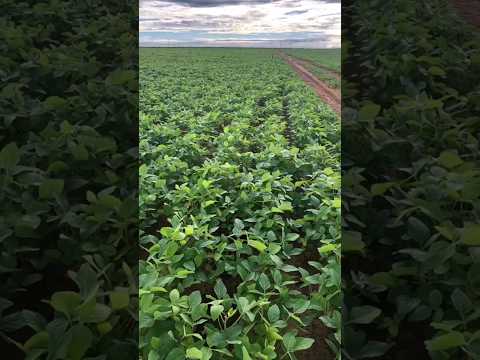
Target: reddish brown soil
[
  {"x": 468, "y": 9},
  {"x": 330, "y": 96},
  {"x": 316, "y": 330},
  {"x": 330, "y": 72},
  {"x": 319, "y": 349}
]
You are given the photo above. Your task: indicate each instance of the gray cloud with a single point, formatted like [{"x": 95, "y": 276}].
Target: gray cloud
[
  {"x": 298, "y": 3},
  {"x": 206, "y": 22},
  {"x": 337, "y": 16},
  {"x": 289, "y": 4},
  {"x": 156, "y": 3},
  {"x": 180, "y": 21},
  {"x": 193, "y": 24},
  {"x": 214, "y": 3},
  {"x": 297, "y": 12}
]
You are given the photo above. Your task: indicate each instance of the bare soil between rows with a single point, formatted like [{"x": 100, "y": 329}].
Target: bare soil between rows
[
  {"x": 469, "y": 10},
  {"x": 316, "y": 330},
  {"x": 330, "y": 96}
]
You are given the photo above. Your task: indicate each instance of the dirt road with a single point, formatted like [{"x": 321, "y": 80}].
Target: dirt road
[
  {"x": 333, "y": 73},
  {"x": 330, "y": 96}
]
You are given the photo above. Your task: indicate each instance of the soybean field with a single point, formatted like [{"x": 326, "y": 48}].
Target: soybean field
[{"x": 239, "y": 208}]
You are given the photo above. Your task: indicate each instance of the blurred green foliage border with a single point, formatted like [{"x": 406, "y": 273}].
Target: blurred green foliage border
[{"x": 68, "y": 179}]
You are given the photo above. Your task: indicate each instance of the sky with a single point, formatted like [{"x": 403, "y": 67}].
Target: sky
[{"x": 241, "y": 23}]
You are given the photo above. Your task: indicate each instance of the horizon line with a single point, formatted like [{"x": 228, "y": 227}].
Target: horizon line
[{"x": 236, "y": 47}]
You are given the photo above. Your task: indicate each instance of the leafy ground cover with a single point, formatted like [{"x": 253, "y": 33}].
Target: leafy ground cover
[
  {"x": 411, "y": 181},
  {"x": 68, "y": 180},
  {"x": 239, "y": 209}
]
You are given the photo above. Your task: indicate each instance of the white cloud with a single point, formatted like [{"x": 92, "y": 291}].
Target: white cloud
[{"x": 255, "y": 18}]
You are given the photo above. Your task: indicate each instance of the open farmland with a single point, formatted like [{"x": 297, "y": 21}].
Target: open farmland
[
  {"x": 329, "y": 58},
  {"x": 239, "y": 208},
  {"x": 324, "y": 64}
]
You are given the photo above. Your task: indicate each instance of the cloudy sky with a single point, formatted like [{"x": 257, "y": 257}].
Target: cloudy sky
[{"x": 249, "y": 23}]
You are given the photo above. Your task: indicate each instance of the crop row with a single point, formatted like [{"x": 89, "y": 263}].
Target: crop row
[{"x": 239, "y": 207}]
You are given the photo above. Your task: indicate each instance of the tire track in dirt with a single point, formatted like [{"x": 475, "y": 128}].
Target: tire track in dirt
[
  {"x": 330, "y": 96},
  {"x": 469, "y": 10},
  {"x": 333, "y": 73}
]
